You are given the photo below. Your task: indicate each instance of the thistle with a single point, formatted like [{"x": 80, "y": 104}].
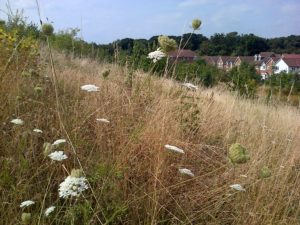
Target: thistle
[
  {"x": 47, "y": 29},
  {"x": 238, "y": 154},
  {"x": 196, "y": 24},
  {"x": 265, "y": 172},
  {"x": 167, "y": 44}
]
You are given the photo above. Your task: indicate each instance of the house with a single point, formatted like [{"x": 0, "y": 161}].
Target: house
[
  {"x": 245, "y": 59},
  {"x": 267, "y": 67},
  {"x": 221, "y": 62},
  {"x": 182, "y": 55},
  {"x": 229, "y": 63},
  {"x": 210, "y": 60},
  {"x": 289, "y": 63}
]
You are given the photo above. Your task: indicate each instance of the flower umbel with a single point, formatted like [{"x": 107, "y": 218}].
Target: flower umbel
[
  {"x": 17, "y": 121},
  {"x": 156, "y": 55},
  {"x": 186, "y": 172},
  {"x": 49, "y": 210},
  {"x": 190, "y": 86},
  {"x": 37, "y": 131},
  {"x": 89, "y": 87},
  {"x": 59, "y": 141},
  {"x": 237, "y": 187},
  {"x": 26, "y": 203},
  {"x": 174, "y": 149},
  {"x": 58, "y": 156},
  {"x": 72, "y": 186}
]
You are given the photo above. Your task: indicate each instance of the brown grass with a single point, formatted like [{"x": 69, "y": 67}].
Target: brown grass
[{"x": 134, "y": 179}]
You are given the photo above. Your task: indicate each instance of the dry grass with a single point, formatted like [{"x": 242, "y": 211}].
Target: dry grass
[{"x": 134, "y": 179}]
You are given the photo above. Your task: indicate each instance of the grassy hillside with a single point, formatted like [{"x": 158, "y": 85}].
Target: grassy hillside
[{"x": 132, "y": 177}]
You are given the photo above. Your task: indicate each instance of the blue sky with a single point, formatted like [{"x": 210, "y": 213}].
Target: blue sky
[{"x": 104, "y": 21}]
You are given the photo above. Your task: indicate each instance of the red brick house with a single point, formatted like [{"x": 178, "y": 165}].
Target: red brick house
[{"x": 182, "y": 55}]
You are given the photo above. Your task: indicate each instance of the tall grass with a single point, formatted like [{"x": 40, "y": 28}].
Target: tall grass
[{"x": 133, "y": 178}]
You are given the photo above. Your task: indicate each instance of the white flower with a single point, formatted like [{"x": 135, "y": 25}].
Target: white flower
[
  {"x": 37, "y": 131},
  {"x": 156, "y": 55},
  {"x": 49, "y": 210},
  {"x": 237, "y": 187},
  {"x": 17, "y": 121},
  {"x": 89, "y": 87},
  {"x": 174, "y": 149},
  {"x": 72, "y": 186},
  {"x": 58, "y": 156},
  {"x": 26, "y": 203},
  {"x": 103, "y": 120},
  {"x": 59, "y": 141},
  {"x": 243, "y": 175},
  {"x": 186, "y": 172},
  {"x": 190, "y": 86}
]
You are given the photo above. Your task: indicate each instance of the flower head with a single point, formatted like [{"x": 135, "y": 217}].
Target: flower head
[
  {"x": 167, "y": 44},
  {"x": 238, "y": 154},
  {"x": 49, "y": 210},
  {"x": 17, "y": 121},
  {"x": 26, "y": 203},
  {"x": 190, "y": 86},
  {"x": 196, "y": 24},
  {"x": 186, "y": 172},
  {"x": 174, "y": 149},
  {"x": 59, "y": 141},
  {"x": 237, "y": 187},
  {"x": 89, "y": 87},
  {"x": 58, "y": 156},
  {"x": 103, "y": 120},
  {"x": 156, "y": 55},
  {"x": 72, "y": 186},
  {"x": 37, "y": 131}
]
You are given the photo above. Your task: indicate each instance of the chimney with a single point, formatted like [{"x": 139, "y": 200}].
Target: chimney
[
  {"x": 255, "y": 57},
  {"x": 259, "y": 57}
]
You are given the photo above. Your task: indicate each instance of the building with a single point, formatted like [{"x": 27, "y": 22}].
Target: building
[
  {"x": 210, "y": 60},
  {"x": 289, "y": 63},
  {"x": 182, "y": 55}
]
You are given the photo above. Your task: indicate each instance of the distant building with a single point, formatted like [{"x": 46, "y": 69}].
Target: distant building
[
  {"x": 289, "y": 63},
  {"x": 183, "y": 55},
  {"x": 210, "y": 60},
  {"x": 226, "y": 62}
]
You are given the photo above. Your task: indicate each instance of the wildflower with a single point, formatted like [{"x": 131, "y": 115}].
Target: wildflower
[
  {"x": 237, "y": 187},
  {"x": 243, "y": 175},
  {"x": 103, "y": 120},
  {"x": 156, "y": 55},
  {"x": 190, "y": 86},
  {"x": 265, "y": 172},
  {"x": 26, "y": 203},
  {"x": 196, "y": 24},
  {"x": 26, "y": 218},
  {"x": 58, "y": 156},
  {"x": 89, "y": 87},
  {"x": 167, "y": 44},
  {"x": 47, "y": 29},
  {"x": 174, "y": 149},
  {"x": 37, "y": 131},
  {"x": 186, "y": 172},
  {"x": 17, "y": 121},
  {"x": 238, "y": 154},
  {"x": 49, "y": 210},
  {"x": 59, "y": 141},
  {"x": 72, "y": 186}
]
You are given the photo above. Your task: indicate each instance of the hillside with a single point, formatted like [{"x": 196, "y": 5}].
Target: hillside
[{"x": 132, "y": 178}]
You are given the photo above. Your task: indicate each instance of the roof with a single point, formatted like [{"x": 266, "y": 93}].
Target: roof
[
  {"x": 246, "y": 59},
  {"x": 210, "y": 59},
  {"x": 266, "y": 54},
  {"x": 292, "y": 62},
  {"x": 291, "y": 56},
  {"x": 183, "y": 53}
]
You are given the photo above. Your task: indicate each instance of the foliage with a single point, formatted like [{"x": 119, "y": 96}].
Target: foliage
[{"x": 167, "y": 44}]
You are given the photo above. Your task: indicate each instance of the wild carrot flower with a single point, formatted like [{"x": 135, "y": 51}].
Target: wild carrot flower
[
  {"x": 17, "y": 121},
  {"x": 190, "y": 86},
  {"x": 174, "y": 149},
  {"x": 37, "y": 131},
  {"x": 72, "y": 186},
  {"x": 26, "y": 203},
  {"x": 103, "y": 120},
  {"x": 58, "y": 156},
  {"x": 237, "y": 187},
  {"x": 89, "y": 87},
  {"x": 156, "y": 55},
  {"x": 49, "y": 210},
  {"x": 186, "y": 172},
  {"x": 59, "y": 141}
]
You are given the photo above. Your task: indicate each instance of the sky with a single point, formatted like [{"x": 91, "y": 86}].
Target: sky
[{"x": 104, "y": 21}]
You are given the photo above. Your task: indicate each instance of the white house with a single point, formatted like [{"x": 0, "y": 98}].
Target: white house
[{"x": 288, "y": 65}]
